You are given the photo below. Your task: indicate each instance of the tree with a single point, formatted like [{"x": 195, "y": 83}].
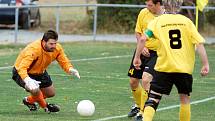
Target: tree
[{"x": 118, "y": 19}]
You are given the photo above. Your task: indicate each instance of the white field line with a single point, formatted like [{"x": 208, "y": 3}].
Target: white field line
[
  {"x": 96, "y": 77},
  {"x": 84, "y": 59},
  {"x": 160, "y": 109}
]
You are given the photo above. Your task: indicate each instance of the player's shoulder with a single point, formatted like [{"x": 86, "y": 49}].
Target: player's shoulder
[
  {"x": 186, "y": 18},
  {"x": 173, "y": 16},
  {"x": 33, "y": 48},
  {"x": 144, "y": 11},
  {"x": 35, "y": 45},
  {"x": 59, "y": 47}
]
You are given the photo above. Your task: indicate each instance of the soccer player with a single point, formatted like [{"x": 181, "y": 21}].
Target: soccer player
[
  {"x": 177, "y": 37},
  {"x": 147, "y": 69},
  {"x": 29, "y": 70}
]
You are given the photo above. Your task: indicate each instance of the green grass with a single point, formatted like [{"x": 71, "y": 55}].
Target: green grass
[{"x": 103, "y": 81}]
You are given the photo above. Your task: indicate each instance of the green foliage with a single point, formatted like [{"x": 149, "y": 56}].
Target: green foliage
[
  {"x": 118, "y": 19},
  {"x": 210, "y": 15}
]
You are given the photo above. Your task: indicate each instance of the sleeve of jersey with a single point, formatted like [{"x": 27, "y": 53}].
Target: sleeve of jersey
[
  {"x": 63, "y": 60},
  {"x": 150, "y": 29},
  {"x": 139, "y": 23},
  {"x": 148, "y": 33},
  {"x": 27, "y": 59},
  {"x": 195, "y": 35}
]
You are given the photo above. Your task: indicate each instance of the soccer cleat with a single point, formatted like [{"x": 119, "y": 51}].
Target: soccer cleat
[
  {"x": 32, "y": 107},
  {"x": 139, "y": 117},
  {"x": 134, "y": 111},
  {"x": 52, "y": 108}
]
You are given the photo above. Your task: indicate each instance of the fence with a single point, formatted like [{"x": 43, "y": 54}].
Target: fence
[{"x": 95, "y": 13}]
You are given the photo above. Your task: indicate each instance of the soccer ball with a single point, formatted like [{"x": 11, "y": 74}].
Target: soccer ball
[{"x": 86, "y": 108}]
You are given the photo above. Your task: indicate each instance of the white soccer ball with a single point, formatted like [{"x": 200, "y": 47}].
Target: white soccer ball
[{"x": 86, "y": 108}]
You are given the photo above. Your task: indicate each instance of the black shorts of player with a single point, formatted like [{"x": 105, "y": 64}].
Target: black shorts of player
[
  {"x": 147, "y": 65},
  {"x": 44, "y": 78},
  {"x": 162, "y": 83}
]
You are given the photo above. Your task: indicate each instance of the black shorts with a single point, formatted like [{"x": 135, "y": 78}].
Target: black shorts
[
  {"x": 44, "y": 78},
  {"x": 147, "y": 65},
  {"x": 163, "y": 82}
]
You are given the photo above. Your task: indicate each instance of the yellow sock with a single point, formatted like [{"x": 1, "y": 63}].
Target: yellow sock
[
  {"x": 144, "y": 97},
  {"x": 137, "y": 94},
  {"x": 148, "y": 113},
  {"x": 184, "y": 113}
]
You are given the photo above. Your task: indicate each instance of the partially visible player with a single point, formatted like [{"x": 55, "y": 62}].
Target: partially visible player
[
  {"x": 177, "y": 37},
  {"x": 30, "y": 73},
  {"x": 140, "y": 91}
]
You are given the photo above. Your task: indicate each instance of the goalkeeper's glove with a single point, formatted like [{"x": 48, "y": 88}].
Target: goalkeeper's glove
[
  {"x": 74, "y": 72},
  {"x": 31, "y": 84}
]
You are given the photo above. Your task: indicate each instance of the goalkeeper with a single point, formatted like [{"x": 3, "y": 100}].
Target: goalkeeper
[{"x": 29, "y": 70}]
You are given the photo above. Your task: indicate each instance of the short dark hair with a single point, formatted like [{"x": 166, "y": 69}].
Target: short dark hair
[
  {"x": 50, "y": 34},
  {"x": 156, "y": 1}
]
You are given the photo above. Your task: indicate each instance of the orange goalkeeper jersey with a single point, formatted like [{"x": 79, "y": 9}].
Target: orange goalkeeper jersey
[{"x": 35, "y": 60}]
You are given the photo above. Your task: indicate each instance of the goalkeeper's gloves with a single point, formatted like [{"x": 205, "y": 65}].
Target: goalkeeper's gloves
[
  {"x": 74, "y": 72},
  {"x": 31, "y": 84}
]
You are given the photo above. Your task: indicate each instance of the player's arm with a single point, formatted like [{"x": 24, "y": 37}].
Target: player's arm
[
  {"x": 138, "y": 36},
  {"x": 145, "y": 50},
  {"x": 140, "y": 46},
  {"x": 204, "y": 59},
  {"x": 139, "y": 30},
  {"x": 198, "y": 40},
  {"x": 139, "y": 49},
  {"x": 27, "y": 60},
  {"x": 65, "y": 64}
]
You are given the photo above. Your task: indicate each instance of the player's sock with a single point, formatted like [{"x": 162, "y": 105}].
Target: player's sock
[
  {"x": 40, "y": 99},
  {"x": 137, "y": 94},
  {"x": 31, "y": 99},
  {"x": 184, "y": 113},
  {"x": 148, "y": 113},
  {"x": 144, "y": 97},
  {"x": 44, "y": 96}
]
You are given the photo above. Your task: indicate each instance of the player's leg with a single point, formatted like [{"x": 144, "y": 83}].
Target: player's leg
[
  {"x": 136, "y": 88},
  {"x": 146, "y": 79},
  {"x": 151, "y": 105},
  {"x": 49, "y": 92},
  {"x": 160, "y": 85},
  {"x": 149, "y": 63},
  {"x": 36, "y": 96},
  {"x": 183, "y": 83},
  {"x": 184, "y": 113},
  {"x": 16, "y": 77}
]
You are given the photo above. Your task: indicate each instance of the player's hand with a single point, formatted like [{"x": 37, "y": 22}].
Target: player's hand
[
  {"x": 137, "y": 62},
  {"x": 31, "y": 84},
  {"x": 145, "y": 52},
  {"x": 205, "y": 70},
  {"x": 74, "y": 72}
]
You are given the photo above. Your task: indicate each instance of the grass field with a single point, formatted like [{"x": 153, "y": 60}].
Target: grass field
[{"x": 103, "y": 69}]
